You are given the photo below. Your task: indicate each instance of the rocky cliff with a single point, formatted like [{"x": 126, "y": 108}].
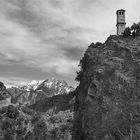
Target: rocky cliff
[
  {"x": 108, "y": 97},
  {"x": 5, "y": 98}
]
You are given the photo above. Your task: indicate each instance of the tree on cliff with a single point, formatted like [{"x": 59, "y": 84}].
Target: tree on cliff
[
  {"x": 133, "y": 31},
  {"x": 135, "y": 28},
  {"x": 127, "y": 32}
]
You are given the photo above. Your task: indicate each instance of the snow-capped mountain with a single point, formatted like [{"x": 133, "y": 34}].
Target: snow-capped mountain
[
  {"x": 32, "y": 85},
  {"x": 38, "y": 90},
  {"x": 55, "y": 87}
]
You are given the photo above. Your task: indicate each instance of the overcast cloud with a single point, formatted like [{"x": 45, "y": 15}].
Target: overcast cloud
[{"x": 40, "y": 39}]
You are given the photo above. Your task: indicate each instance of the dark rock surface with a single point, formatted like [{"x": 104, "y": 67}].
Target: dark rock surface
[
  {"x": 3, "y": 92},
  {"x": 56, "y": 103},
  {"x": 108, "y": 97}
]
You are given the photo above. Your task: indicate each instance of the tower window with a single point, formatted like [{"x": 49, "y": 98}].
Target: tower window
[{"x": 121, "y": 13}]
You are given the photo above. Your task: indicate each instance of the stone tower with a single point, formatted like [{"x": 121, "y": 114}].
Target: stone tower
[{"x": 120, "y": 21}]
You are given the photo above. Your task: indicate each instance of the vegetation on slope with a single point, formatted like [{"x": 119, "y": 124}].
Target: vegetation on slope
[
  {"x": 58, "y": 103},
  {"x": 133, "y": 31},
  {"x": 48, "y": 119}
]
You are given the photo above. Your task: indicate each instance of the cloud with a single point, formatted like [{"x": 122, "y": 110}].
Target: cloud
[
  {"x": 47, "y": 38},
  {"x": 14, "y": 81}
]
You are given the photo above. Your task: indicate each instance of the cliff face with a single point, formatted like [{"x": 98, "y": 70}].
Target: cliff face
[{"x": 108, "y": 97}]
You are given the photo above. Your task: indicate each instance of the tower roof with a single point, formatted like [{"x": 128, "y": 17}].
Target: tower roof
[{"x": 120, "y": 10}]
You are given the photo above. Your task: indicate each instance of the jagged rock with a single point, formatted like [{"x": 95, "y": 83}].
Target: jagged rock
[
  {"x": 2, "y": 87},
  {"x": 3, "y": 92},
  {"x": 108, "y": 95}
]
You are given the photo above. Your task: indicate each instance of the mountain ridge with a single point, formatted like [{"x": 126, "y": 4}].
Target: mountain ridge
[{"x": 38, "y": 90}]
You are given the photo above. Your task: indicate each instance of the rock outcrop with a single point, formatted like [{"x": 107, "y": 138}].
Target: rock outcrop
[
  {"x": 5, "y": 97},
  {"x": 108, "y": 97},
  {"x": 3, "y": 91}
]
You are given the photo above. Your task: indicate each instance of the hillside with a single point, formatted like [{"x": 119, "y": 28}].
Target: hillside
[
  {"x": 108, "y": 97},
  {"x": 27, "y": 115},
  {"x": 22, "y": 123},
  {"x": 57, "y": 103}
]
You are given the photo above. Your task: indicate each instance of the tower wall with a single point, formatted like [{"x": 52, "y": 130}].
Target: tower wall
[
  {"x": 120, "y": 29},
  {"x": 120, "y": 21}
]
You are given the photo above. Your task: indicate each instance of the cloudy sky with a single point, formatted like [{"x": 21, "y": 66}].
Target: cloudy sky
[{"x": 40, "y": 39}]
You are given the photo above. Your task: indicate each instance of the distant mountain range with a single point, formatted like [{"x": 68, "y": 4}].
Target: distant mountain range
[{"x": 38, "y": 90}]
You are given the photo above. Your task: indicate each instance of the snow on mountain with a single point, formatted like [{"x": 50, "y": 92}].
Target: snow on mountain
[
  {"x": 32, "y": 85},
  {"x": 38, "y": 90},
  {"x": 55, "y": 87}
]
